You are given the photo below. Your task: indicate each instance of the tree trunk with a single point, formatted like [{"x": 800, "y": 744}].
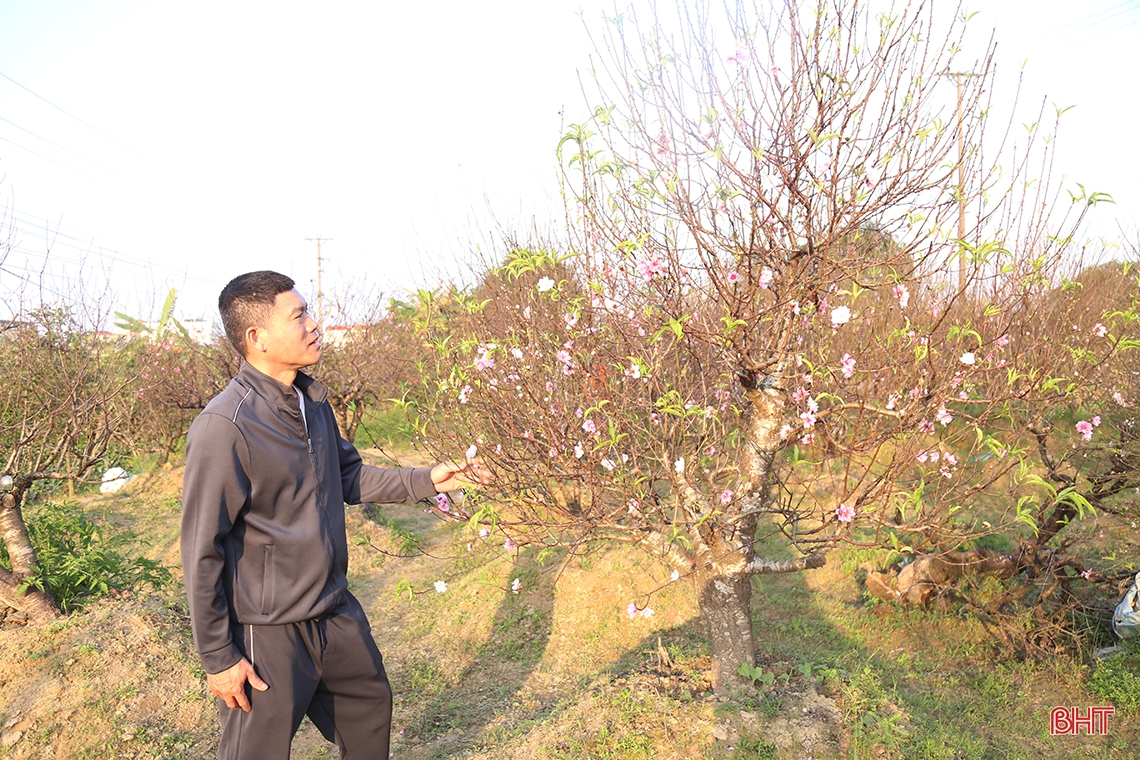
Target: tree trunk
[
  {"x": 39, "y": 605},
  {"x": 726, "y": 607}
]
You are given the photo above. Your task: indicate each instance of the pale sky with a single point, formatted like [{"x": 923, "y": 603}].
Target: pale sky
[{"x": 205, "y": 139}]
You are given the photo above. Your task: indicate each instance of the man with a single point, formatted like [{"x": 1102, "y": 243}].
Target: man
[{"x": 263, "y": 540}]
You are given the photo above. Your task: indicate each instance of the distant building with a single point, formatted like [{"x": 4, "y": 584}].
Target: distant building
[{"x": 339, "y": 335}]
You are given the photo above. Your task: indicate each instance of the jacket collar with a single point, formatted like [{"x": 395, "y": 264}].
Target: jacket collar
[{"x": 272, "y": 390}]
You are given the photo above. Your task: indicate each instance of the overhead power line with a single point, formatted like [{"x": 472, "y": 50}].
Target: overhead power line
[
  {"x": 49, "y": 142},
  {"x": 46, "y": 158},
  {"x": 66, "y": 113}
]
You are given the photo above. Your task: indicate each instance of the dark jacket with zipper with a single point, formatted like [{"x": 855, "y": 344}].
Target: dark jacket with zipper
[{"x": 263, "y": 536}]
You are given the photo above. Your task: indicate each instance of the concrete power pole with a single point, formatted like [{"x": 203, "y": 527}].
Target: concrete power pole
[
  {"x": 961, "y": 175},
  {"x": 320, "y": 291}
]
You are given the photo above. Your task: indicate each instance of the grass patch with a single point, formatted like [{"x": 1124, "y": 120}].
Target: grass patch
[{"x": 80, "y": 560}]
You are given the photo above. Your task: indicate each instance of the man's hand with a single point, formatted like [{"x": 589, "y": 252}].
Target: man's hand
[
  {"x": 451, "y": 476},
  {"x": 230, "y": 684}
]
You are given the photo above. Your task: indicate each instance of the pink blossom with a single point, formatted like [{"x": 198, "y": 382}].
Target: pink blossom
[
  {"x": 808, "y": 420},
  {"x": 1086, "y": 574},
  {"x": 442, "y": 502},
  {"x": 1096, "y": 421},
  {"x": 915, "y": 392},
  {"x": 1002, "y": 342},
  {"x": 484, "y": 363},
  {"x": 631, "y": 610},
  {"x": 963, "y": 396},
  {"x": 847, "y": 365},
  {"x": 840, "y": 315},
  {"x": 590, "y": 426},
  {"x": 1100, "y": 330},
  {"x": 949, "y": 458},
  {"x": 967, "y": 358},
  {"x": 609, "y": 464},
  {"x": 579, "y": 452},
  {"x": 808, "y": 439},
  {"x": 946, "y": 472},
  {"x": 725, "y": 496},
  {"x": 517, "y": 353},
  {"x": 943, "y": 416},
  {"x": 1085, "y": 428},
  {"x": 634, "y": 507},
  {"x": 926, "y": 426},
  {"x": 785, "y": 431},
  {"x": 799, "y": 394},
  {"x": 471, "y": 451},
  {"x": 510, "y": 545},
  {"x": 563, "y": 356},
  {"x": 813, "y": 405},
  {"x": 733, "y": 277},
  {"x": 934, "y": 455},
  {"x": 484, "y": 532},
  {"x": 1118, "y": 397},
  {"x": 648, "y": 612},
  {"x": 922, "y": 457},
  {"x": 845, "y": 513},
  {"x": 549, "y": 387},
  {"x": 465, "y": 394},
  {"x": 766, "y": 277},
  {"x": 902, "y": 294},
  {"x": 650, "y": 267}
]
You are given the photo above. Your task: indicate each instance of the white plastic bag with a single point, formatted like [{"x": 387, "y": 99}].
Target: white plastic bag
[{"x": 1126, "y": 618}]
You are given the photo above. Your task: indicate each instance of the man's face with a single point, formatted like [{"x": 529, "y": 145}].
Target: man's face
[{"x": 290, "y": 337}]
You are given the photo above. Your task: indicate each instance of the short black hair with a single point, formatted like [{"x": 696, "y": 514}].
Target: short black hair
[{"x": 247, "y": 300}]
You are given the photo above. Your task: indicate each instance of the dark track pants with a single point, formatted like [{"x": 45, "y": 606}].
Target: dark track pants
[{"x": 328, "y": 669}]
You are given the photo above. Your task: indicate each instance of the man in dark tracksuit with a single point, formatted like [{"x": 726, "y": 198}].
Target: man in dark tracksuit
[{"x": 263, "y": 540}]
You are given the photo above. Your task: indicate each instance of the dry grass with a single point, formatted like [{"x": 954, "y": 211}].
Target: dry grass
[{"x": 557, "y": 670}]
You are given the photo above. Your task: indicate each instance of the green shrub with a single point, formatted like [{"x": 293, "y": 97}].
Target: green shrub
[
  {"x": 79, "y": 560},
  {"x": 1115, "y": 680}
]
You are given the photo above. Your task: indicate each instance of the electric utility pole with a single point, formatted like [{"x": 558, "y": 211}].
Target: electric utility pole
[
  {"x": 320, "y": 292},
  {"x": 958, "y": 76}
]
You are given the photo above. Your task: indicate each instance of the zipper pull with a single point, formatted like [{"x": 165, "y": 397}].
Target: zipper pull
[{"x": 310, "y": 442}]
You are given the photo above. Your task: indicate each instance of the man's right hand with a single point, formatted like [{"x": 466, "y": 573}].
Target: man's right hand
[{"x": 230, "y": 684}]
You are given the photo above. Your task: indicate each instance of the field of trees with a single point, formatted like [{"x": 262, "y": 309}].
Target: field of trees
[{"x": 813, "y": 433}]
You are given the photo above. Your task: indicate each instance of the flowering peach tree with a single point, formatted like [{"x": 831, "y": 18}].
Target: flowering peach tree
[{"x": 759, "y": 329}]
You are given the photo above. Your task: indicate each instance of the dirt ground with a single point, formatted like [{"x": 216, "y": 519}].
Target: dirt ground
[{"x": 556, "y": 670}]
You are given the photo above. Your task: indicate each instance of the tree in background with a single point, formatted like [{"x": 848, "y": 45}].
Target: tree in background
[
  {"x": 178, "y": 375},
  {"x": 66, "y": 393},
  {"x": 761, "y": 331},
  {"x": 367, "y": 359}
]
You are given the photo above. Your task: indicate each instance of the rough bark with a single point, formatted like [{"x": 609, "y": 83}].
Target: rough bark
[
  {"x": 347, "y": 415},
  {"x": 15, "y": 534},
  {"x": 726, "y": 607},
  {"x": 38, "y": 605}
]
